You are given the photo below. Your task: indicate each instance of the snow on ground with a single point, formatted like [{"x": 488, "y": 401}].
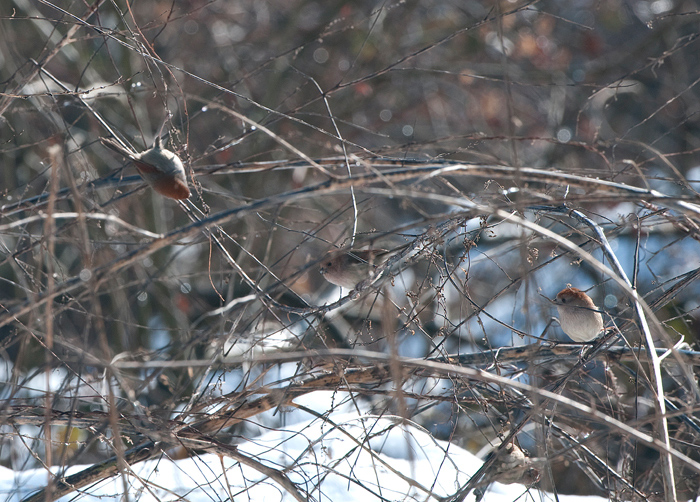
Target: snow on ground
[{"x": 328, "y": 460}]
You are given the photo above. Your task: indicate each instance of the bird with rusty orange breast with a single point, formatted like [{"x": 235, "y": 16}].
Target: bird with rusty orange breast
[{"x": 158, "y": 166}]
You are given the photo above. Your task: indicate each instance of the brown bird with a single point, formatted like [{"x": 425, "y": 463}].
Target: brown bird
[
  {"x": 511, "y": 465},
  {"x": 507, "y": 465},
  {"x": 351, "y": 268},
  {"x": 578, "y": 315},
  {"x": 159, "y": 167}
]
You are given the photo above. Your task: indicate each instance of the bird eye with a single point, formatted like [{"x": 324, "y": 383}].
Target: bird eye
[{"x": 563, "y": 300}]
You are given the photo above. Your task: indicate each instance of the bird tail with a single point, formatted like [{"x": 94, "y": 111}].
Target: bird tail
[{"x": 117, "y": 147}]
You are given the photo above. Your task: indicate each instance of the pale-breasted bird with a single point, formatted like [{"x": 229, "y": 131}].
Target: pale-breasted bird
[
  {"x": 511, "y": 465},
  {"x": 352, "y": 267},
  {"x": 578, "y": 315}
]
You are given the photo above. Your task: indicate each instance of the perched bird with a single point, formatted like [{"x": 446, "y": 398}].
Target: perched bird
[
  {"x": 511, "y": 465},
  {"x": 159, "y": 167},
  {"x": 351, "y": 268},
  {"x": 506, "y": 465},
  {"x": 578, "y": 315}
]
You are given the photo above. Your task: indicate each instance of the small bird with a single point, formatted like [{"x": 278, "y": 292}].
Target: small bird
[
  {"x": 511, "y": 465},
  {"x": 352, "y": 267},
  {"x": 159, "y": 167},
  {"x": 578, "y": 315}
]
